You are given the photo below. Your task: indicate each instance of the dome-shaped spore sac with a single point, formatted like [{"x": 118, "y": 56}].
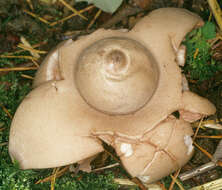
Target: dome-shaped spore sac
[{"x": 116, "y": 75}]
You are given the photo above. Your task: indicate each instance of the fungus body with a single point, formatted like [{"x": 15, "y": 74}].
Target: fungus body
[
  {"x": 117, "y": 87},
  {"x": 118, "y": 67}
]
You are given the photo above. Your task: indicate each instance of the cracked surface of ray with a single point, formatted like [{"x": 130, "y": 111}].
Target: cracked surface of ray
[{"x": 149, "y": 140}]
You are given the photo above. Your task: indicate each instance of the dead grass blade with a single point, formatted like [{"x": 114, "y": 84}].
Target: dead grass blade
[
  {"x": 30, "y": 4},
  {"x": 138, "y": 183},
  {"x": 161, "y": 185},
  {"x": 53, "y": 179},
  {"x": 219, "y": 163},
  {"x": 59, "y": 174},
  {"x": 27, "y": 76},
  {"x": 113, "y": 156},
  {"x": 34, "y": 52},
  {"x": 215, "y": 8},
  {"x": 37, "y": 17},
  {"x": 72, "y": 15},
  {"x": 210, "y": 17},
  {"x": 210, "y": 137},
  {"x": 31, "y": 50},
  {"x": 33, "y": 46},
  {"x": 94, "y": 19},
  {"x": 177, "y": 182},
  {"x": 6, "y": 111},
  {"x": 197, "y": 130},
  {"x": 72, "y": 9},
  {"x": 3, "y": 144},
  {"x": 106, "y": 167},
  {"x": 25, "y": 44},
  {"x": 203, "y": 150},
  {"x": 18, "y": 69},
  {"x": 131, "y": 183},
  {"x": 17, "y": 57},
  {"x": 212, "y": 124},
  {"x": 35, "y": 63},
  {"x": 196, "y": 53},
  {"x": 175, "y": 177}
]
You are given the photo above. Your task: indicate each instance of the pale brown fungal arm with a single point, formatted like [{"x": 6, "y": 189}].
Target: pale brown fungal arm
[
  {"x": 194, "y": 107},
  {"x": 50, "y": 68}
]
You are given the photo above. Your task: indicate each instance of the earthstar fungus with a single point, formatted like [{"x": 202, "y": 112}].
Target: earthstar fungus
[{"x": 120, "y": 87}]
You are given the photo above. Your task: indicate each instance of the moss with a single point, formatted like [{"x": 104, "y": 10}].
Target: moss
[
  {"x": 199, "y": 64},
  {"x": 13, "y": 89}
]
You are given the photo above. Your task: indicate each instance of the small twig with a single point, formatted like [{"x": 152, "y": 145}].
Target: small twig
[
  {"x": 197, "y": 130},
  {"x": 210, "y": 124},
  {"x": 131, "y": 183},
  {"x": 37, "y": 17},
  {"x": 139, "y": 183},
  {"x": 22, "y": 50},
  {"x": 53, "y": 179},
  {"x": 210, "y": 17},
  {"x": 106, "y": 167},
  {"x": 215, "y": 8},
  {"x": 177, "y": 182},
  {"x": 17, "y": 69},
  {"x": 27, "y": 76},
  {"x": 206, "y": 167},
  {"x": 94, "y": 19},
  {"x": 72, "y": 9},
  {"x": 161, "y": 185},
  {"x": 59, "y": 174},
  {"x": 219, "y": 163},
  {"x": 3, "y": 144},
  {"x": 30, "y": 49},
  {"x": 197, "y": 171},
  {"x": 213, "y": 42},
  {"x": 114, "y": 157},
  {"x": 6, "y": 111},
  {"x": 196, "y": 53},
  {"x": 17, "y": 57},
  {"x": 26, "y": 45},
  {"x": 30, "y": 4},
  {"x": 209, "y": 137},
  {"x": 173, "y": 179},
  {"x": 203, "y": 150},
  {"x": 72, "y": 15},
  {"x": 35, "y": 63}
]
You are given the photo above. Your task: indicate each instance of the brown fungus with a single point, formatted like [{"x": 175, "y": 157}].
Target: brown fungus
[{"x": 118, "y": 87}]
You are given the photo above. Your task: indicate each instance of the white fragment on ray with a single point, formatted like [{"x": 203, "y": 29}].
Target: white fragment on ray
[
  {"x": 126, "y": 149},
  {"x": 52, "y": 66},
  {"x": 54, "y": 85},
  {"x": 185, "y": 85},
  {"x": 181, "y": 55},
  {"x": 189, "y": 143},
  {"x": 144, "y": 179}
]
